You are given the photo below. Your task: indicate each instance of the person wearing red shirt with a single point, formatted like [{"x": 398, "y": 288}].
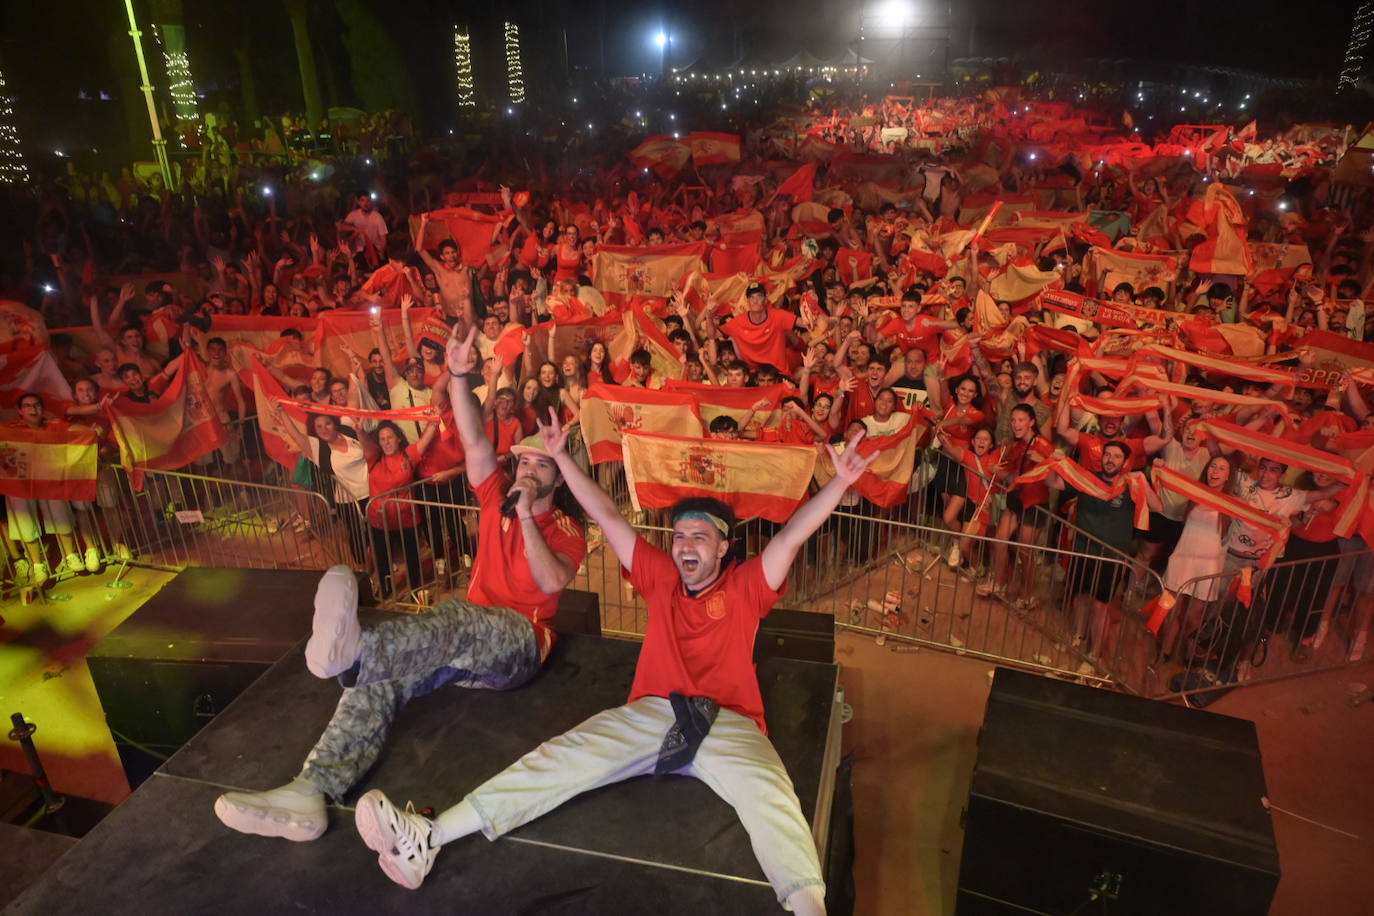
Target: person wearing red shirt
[
  {"x": 912, "y": 329},
  {"x": 1110, "y": 428},
  {"x": 763, "y": 335},
  {"x": 694, "y": 708},
  {"x": 528, "y": 551},
  {"x": 391, "y": 465}
]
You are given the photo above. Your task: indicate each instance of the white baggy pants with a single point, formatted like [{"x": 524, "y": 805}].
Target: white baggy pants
[{"x": 736, "y": 760}]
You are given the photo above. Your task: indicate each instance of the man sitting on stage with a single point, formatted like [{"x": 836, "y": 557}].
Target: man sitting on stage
[
  {"x": 497, "y": 639},
  {"x": 695, "y": 707}
]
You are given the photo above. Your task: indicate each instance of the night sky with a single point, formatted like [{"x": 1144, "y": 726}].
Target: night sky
[{"x": 55, "y": 50}]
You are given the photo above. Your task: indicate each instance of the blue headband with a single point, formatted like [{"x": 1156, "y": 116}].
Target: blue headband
[{"x": 715, "y": 520}]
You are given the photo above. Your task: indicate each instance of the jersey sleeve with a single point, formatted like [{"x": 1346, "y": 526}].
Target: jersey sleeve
[
  {"x": 566, "y": 539},
  {"x": 651, "y": 570},
  {"x": 490, "y": 491},
  {"x": 753, "y": 587}
]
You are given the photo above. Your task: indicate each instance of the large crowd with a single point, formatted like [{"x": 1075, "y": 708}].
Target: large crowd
[{"x": 1161, "y": 343}]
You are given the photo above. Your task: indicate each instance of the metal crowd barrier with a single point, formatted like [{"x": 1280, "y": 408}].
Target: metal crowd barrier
[
  {"x": 178, "y": 519},
  {"x": 1302, "y": 616}
]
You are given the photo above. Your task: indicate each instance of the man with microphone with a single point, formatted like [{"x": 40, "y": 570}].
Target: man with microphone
[{"x": 530, "y": 544}]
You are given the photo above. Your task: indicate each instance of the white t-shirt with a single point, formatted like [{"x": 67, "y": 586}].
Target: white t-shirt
[
  {"x": 402, "y": 395},
  {"x": 350, "y": 469},
  {"x": 1175, "y": 505},
  {"x": 371, "y": 225},
  {"x": 1282, "y": 502}
]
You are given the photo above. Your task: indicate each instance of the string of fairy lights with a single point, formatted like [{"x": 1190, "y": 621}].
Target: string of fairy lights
[
  {"x": 12, "y": 167},
  {"x": 180, "y": 87},
  {"x": 515, "y": 75},
  {"x": 462, "y": 65}
]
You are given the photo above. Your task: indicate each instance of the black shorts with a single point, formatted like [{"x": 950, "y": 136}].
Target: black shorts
[
  {"x": 1092, "y": 575},
  {"x": 1163, "y": 530}
]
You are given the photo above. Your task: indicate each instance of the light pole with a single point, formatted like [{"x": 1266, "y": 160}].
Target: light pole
[{"x": 159, "y": 144}]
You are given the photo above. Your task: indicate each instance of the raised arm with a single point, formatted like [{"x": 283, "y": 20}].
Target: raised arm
[
  {"x": 777, "y": 557},
  {"x": 597, "y": 502},
  {"x": 407, "y": 300},
  {"x": 481, "y": 454}
]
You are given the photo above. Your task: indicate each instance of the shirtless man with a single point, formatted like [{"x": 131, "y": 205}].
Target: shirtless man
[
  {"x": 129, "y": 347},
  {"x": 454, "y": 277},
  {"x": 222, "y": 381}
]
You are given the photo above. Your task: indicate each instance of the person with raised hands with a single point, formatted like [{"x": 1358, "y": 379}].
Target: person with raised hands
[
  {"x": 695, "y": 707},
  {"x": 529, "y": 547}
]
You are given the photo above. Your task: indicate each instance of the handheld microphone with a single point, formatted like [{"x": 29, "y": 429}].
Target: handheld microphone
[{"x": 508, "y": 504}]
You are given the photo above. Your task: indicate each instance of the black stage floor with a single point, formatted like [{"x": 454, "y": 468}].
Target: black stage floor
[{"x": 644, "y": 846}]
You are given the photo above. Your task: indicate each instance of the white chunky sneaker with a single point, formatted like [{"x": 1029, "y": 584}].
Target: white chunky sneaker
[
  {"x": 285, "y": 812},
  {"x": 335, "y": 635},
  {"x": 403, "y": 840},
  {"x": 92, "y": 559}
]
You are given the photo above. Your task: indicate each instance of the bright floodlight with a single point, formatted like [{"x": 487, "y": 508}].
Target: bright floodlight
[
  {"x": 894, "y": 12},
  {"x": 661, "y": 38}
]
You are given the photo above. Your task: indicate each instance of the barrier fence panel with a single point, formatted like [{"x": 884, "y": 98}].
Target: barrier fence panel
[
  {"x": 178, "y": 519},
  {"x": 1300, "y": 616}
]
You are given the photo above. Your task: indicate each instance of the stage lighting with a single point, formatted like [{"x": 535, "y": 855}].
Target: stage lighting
[
  {"x": 661, "y": 38},
  {"x": 895, "y": 13}
]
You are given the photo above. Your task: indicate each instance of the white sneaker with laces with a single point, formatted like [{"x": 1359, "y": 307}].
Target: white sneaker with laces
[
  {"x": 38, "y": 574},
  {"x": 403, "y": 840},
  {"x": 335, "y": 636},
  {"x": 74, "y": 563},
  {"x": 92, "y": 559}
]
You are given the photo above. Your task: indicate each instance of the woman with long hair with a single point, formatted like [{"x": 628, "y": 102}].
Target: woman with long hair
[
  {"x": 340, "y": 469},
  {"x": 1198, "y": 559},
  {"x": 392, "y": 465}
]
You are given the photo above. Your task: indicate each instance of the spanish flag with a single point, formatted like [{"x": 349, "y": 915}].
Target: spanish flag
[
  {"x": 258, "y": 335},
  {"x": 640, "y": 330},
  {"x": 722, "y": 401},
  {"x": 610, "y": 411},
  {"x": 58, "y": 461},
  {"x": 664, "y": 155},
  {"x": 173, "y": 430},
  {"x": 352, "y": 328},
  {"x": 756, "y": 479},
  {"x": 625, "y": 271},
  {"x": 709, "y": 148},
  {"x": 888, "y": 478}
]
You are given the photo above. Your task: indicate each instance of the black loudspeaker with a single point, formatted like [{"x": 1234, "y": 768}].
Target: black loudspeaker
[
  {"x": 800, "y": 635},
  {"x": 191, "y": 649},
  {"x": 578, "y": 612},
  {"x": 1086, "y": 801}
]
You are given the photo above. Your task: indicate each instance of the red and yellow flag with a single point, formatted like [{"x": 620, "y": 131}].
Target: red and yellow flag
[
  {"x": 664, "y": 155},
  {"x": 888, "y": 478},
  {"x": 339, "y": 328},
  {"x": 610, "y": 411},
  {"x": 174, "y": 429},
  {"x": 721, "y": 401},
  {"x": 624, "y": 271},
  {"x": 1111, "y": 268},
  {"x": 640, "y": 330},
  {"x": 756, "y": 479},
  {"x": 58, "y": 461},
  {"x": 710, "y": 148}
]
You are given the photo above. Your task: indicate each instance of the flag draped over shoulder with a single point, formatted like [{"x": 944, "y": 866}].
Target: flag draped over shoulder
[
  {"x": 756, "y": 479},
  {"x": 58, "y": 461},
  {"x": 174, "y": 429},
  {"x": 887, "y": 479},
  {"x": 624, "y": 271},
  {"x": 610, "y": 411}
]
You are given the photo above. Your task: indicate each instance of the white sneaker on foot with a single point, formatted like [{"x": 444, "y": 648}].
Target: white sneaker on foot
[
  {"x": 38, "y": 574},
  {"x": 282, "y": 812},
  {"x": 74, "y": 563},
  {"x": 335, "y": 636},
  {"x": 403, "y": 840},
  {"x": 92, "y": 559}
]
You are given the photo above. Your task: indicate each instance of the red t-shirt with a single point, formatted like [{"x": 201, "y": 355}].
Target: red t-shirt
[
  {"x": 758, "y": 344},
  {"x": 387, "y": 473},
  {"x": 920, "y": 334},
  {"x": 445, "y": 453},
  {"x": 1090, "y": 451},
  {"x": 702, "y": 645},
  {"x": 501, "y": 574},
  {"x": 961, "y": 421},
  {"x": 505, "y": 433}
]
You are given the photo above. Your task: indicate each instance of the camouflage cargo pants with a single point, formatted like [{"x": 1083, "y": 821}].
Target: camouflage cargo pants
[{"x": 457, "y": 643}]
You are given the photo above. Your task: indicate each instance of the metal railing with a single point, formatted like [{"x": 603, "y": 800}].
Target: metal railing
[
  {"x": 178, "y": 519},
  {"x": 1302, "y": 616}
]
